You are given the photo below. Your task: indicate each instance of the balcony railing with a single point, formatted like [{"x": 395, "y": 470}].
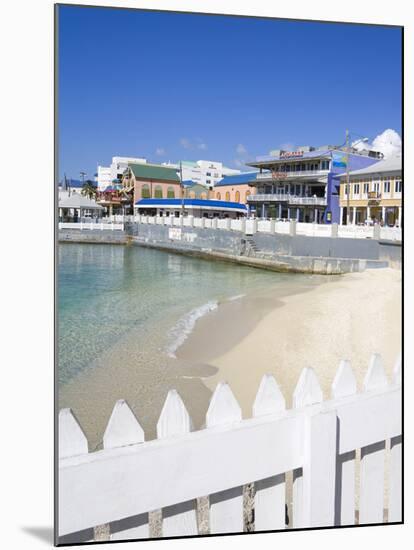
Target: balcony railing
[
  {"x": 287, "y": 175},
  {"x": 290, "y": 199}
]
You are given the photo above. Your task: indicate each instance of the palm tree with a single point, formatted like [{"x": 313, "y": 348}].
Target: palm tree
[{"x": 89, "y": 189}]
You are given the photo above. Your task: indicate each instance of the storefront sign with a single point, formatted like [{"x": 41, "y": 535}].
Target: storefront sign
[
  {"x": 279, "y": 175},
  {"x": 290, "y": 154}
]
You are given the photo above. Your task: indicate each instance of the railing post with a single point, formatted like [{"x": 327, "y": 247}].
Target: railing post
[
  {"x": 203, "y": 223},
  {"x": 272, "y": 225},
  {"x": 243, "y": 225},
  {"x": 334, "y": 230},
  {"x": 292, "y": 228},
  {"x": 215, "y": 223},
  {"x": 254, "y": 226},
  {"x": 376, "y": 232},
  {"x": 228, "y": 224}
]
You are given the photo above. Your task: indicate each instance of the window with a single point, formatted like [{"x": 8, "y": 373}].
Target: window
[
  {"x": 366, "y": 188},
  {"x": 356, "y": 188},
  {"x": 208, "y": 181},
  {"x": 170, "y": 193},
  {"x": 345, "y": 189},
  {"x": 208, "y": 174},
  {"x": 158, "y": 192},
  {"x": 228, "y": 196},
  {"x": 387, "y": 186},
  {"x": 398, "y": 186},
  {"x": 145, "y": 192},
  {"x": 237, "y": 196},
  {"x": 375, "y": 186},
  {"x": 218, "y": 196}
]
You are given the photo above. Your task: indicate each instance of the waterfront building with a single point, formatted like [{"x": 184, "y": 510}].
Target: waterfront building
[
  {"x": 375, "y": 194},
  {"x": 198, "y": 208},
  {"x": 148, "y": 181},
  {"x": 235, "y": 188},
  {"x": 303, "y": 184},
  {"x": 106, "y": 175},
  {"x": 203, "y": 172},
  {"x": 77, "y": 208}
]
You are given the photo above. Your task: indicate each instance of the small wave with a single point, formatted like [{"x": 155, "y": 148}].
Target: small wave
[
  {"x": 237, "y": 297},
  {"x": 185, "y": 325}
]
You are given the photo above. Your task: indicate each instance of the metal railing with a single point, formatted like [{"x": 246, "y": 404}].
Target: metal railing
[
  {"x": 286, "y": 175},
  {"x": 291, "y": 199}
]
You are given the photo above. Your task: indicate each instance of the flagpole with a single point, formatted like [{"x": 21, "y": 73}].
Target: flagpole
[{"x": 348, "y": 217}]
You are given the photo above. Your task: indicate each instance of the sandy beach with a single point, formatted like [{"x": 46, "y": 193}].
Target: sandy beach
[
  {"x": 278, "y": 330},
  {"x": 347, "y": 317}
]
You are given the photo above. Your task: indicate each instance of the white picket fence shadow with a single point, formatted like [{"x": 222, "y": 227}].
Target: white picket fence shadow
[{"x": 110, "y": 494}]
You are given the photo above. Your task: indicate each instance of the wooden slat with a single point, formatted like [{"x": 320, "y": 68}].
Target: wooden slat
[
  {"x": 179, "y": 519},
  {"x": 123, "y": 429},
  {"x": 307, "y": 392},
  {"x": 226, "y": 507},
  {"x": 270, "y": 493},
  {"x": 344, "y": 385},
  {"x": 371, "y": 506}
]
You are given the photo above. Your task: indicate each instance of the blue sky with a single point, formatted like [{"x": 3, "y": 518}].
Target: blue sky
[{"x": 183, "y": 86}]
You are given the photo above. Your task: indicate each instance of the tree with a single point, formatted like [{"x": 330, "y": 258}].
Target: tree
[{"x": 89, "y": 189}]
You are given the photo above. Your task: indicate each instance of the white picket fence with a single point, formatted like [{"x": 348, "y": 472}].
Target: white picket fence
[
  {"x": 90, "y": 226},
  {"x": 251, "y": 226},
  {"x": 114, "y": 489}
]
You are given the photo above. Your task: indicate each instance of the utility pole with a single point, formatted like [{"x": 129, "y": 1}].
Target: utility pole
[
  {"x": 348, "y": 208},
  {"x": 182, "y": 190}
]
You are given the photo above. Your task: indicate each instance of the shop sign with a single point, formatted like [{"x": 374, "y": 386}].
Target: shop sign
[{"x": 291, "y": 154}]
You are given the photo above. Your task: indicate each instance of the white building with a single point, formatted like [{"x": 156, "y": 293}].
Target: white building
[
  {"x": 106, "y": 174},
  {"x": 203, "y": 172}
]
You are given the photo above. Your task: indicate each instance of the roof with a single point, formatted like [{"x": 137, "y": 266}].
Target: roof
[
  {"x": 266, "y": 159},
  {"x": 237, "y": 179},
  {"x": 79, "y": 201},
  {"x": 391, "y": 164},
  {"x": 154, "y": 172},
  {"x": 191, "y": 203}
]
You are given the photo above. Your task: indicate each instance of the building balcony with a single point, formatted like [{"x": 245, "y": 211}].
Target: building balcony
[
  {"x": 271, "y": 176},
  {"x": 293, "y": 200}
]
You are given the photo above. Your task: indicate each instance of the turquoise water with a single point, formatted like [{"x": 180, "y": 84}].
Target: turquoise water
[{"x": 107, "y": 291}]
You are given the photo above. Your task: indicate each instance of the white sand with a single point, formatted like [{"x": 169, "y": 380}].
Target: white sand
[{"x": 348, "y": 318}]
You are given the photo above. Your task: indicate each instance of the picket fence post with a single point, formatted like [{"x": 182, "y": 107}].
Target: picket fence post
[
  {"x": 179, "y": 519},
  {"x": 371, "y": 500},
  {"x": 344, "y": 385},
  {"x": 314, "y": 483},
  {"x": 226, "y": 507},
  {"x": 123, "y": 429},
  {"x": 270, "y": 494}
]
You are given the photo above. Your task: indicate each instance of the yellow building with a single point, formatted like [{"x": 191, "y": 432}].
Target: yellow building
[{"x": 375, "y": 194}]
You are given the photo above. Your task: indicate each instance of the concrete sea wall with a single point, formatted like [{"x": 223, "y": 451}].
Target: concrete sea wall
[
  {"x": 273, "y": 251},
  {"x": 92, "y": 236}
]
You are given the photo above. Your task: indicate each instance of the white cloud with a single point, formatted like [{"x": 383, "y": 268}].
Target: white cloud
[
  {"x": 160, "y": 151},
  {"x": 241, "y": 149},
  {"x": 388, "y": 143},
  {"x": 239, "y": 163},
  {"x": 202, "y": 146}
]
